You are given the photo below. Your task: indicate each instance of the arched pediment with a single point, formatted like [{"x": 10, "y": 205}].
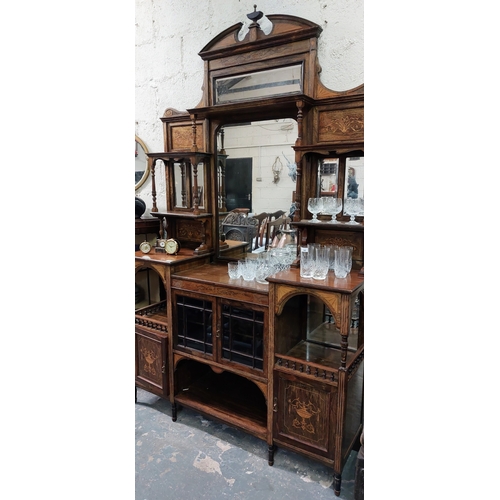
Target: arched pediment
[{"x": 286, "y": 29}]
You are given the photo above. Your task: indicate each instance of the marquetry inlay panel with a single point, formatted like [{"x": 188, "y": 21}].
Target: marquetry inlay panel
[
  {"x": 149, "y": 359},
  {"x": 181, "y": 136},
  {"x": 341, "y": 125},
  {"x": 306, "y": 413},
  {"x": 190, "y": 230}
]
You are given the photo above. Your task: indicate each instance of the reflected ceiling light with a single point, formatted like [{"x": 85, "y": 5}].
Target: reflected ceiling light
[{"x": 255, "y": 17}]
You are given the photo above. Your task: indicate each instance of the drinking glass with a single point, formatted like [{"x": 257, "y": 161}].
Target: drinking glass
[
  {"x": 342, "y": 262},
  {"x": 233, "y": 270},
  {"x": 315, "y": 206},
  {"x": 242, "y": 264},
  {"x": 306, "y": 262},
  {"x": 338, "y": 209},
  {"x": 352, "y": 208},
  {"x": 329, "y": 206},
  {"x": 264, "y": 268},
  {"x": 249, "y": 269},
  {"x": 322, "y": 262}
]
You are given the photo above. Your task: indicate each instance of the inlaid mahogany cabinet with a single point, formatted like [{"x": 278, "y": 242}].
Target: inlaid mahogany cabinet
[{"x": 284, "y": 360}]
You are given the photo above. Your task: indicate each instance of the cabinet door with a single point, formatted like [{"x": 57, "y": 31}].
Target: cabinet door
[
  {"x": 305, "y": 414},
  {"x": 242, "y": 332},
  {"x": 193, "y": 317},
  {"x": 151, "y": 371}
]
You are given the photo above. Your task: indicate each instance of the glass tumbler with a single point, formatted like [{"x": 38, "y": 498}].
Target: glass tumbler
[
  {"x": 249, "y": 270},
  {"x": 306, "y": 262},
  {"x": 233, "y": 270},
  {"x": 322, "y": 262},
  {"x": 342, "y": 262}
]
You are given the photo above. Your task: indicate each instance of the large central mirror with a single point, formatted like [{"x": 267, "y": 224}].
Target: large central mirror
[{"x": 256, "y": 182}]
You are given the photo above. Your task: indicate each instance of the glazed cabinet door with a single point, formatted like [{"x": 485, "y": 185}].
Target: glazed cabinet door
[
  {"x": 243, "y": 332},
  {"x": 151, "y": 371},
  {"x": 194, "y": 324},
  {"x": 304, "y": 414}
]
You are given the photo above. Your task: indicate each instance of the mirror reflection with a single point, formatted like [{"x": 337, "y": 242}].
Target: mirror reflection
[
  {"x": 329, "y": 170},
  {"x": 257, "y": 176},
  {"x": 184, "y": 177},
  {"x": 354, "y": 183},
  {"x": 141, "y": 163},
  {"x": 343, "y": 177}
]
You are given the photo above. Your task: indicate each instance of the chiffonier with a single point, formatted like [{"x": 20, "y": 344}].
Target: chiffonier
[{"x": 282, "y": 361}]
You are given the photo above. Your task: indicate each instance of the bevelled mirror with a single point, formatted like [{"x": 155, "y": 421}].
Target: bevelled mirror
[
  {"x": 343, "y": 177},
  {"x": 257, "y": 175},
  {"x": 141, "y": 163}
]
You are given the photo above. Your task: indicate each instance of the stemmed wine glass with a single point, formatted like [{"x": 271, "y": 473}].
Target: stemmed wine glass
[
  {"x": 329, "y": 205},
  {"x": 352, "y": 208},
  {"x": 315, "y": 206},
  {"x": 337, "y": 209}
]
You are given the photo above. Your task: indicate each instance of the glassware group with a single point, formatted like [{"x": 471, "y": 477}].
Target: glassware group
[
  {"x": 316, "y": 260},
  {"x": 329, "y": 205}
]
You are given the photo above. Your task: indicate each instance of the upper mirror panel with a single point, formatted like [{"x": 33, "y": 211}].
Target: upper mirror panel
[
  {"x": 257, "y": 85},
  {"x": 141, "y": 163}
]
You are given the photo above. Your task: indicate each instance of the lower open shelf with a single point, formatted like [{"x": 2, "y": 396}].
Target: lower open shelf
[{"x": 226, "y": 397}]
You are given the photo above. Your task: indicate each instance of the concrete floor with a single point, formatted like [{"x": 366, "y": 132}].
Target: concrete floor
[{"x": 198, "y": 458}]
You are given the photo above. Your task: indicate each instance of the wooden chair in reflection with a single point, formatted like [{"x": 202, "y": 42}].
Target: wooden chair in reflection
[
  {"x": 261, "y": 230},
  {"x": 273, "y": 228}
]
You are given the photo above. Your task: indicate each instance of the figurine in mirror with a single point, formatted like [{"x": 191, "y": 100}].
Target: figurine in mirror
[
  {"x": 341, "y": 186},
  {"x": 141, "y": 163},
  {"x": 256, "y": 181},
  {"x": 354, "y": 188}
]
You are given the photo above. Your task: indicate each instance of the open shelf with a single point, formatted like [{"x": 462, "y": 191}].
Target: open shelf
[
  {"x": 324, "y": 355},
  {"x": 226, "y": 397}
]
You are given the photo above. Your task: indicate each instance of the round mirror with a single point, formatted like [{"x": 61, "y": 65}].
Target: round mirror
[{"x": 141, "y": 163}]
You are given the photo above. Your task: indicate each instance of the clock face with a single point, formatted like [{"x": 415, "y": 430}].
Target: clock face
[
  {"x": 172, "y": 247},
  {"x": 145, "y": 247},
  {"x": 162, "y": 243}
]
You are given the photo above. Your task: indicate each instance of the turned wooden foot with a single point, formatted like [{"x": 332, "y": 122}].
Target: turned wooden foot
[
  {"x": 174, "y": 412},
  {"x": 271, "y": 454},
  {"x": 337, "y": 478}
]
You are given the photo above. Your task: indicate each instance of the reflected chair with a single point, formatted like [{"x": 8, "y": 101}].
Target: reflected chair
[
  {"x": 274, "y": 227},
  {"x": 261, "y": 229}
]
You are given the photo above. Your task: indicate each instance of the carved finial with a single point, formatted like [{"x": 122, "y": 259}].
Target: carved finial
[{"x": 255, "y": 15}]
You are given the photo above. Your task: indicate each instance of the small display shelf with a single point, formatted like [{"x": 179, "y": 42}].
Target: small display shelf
[{"x": 153, "y": 316}]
